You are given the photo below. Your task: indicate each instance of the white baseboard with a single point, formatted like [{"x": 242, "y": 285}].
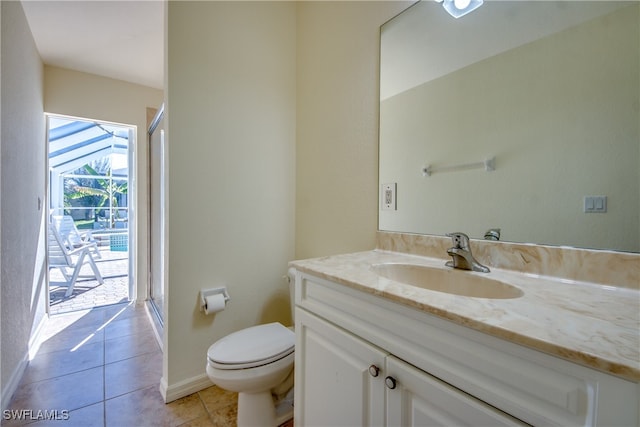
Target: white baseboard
[
  {"x": 16, "y": 376},
  {"x": 155, "y": 324},
  {"x": 184, "y": 388},
  {"x": 36, "y": 337},
  {"x": 12, "y": 385}
]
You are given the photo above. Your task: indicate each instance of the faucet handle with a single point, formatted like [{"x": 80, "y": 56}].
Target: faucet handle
[{"x": 460, "y": 240}]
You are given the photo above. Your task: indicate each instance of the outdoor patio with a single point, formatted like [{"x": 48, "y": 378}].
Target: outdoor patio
[{"x": 87, "y": 293}]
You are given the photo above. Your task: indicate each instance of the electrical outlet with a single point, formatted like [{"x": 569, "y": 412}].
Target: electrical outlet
[
  {"x": 389, "y": 197},
  {"x": 595, "y": 204}
]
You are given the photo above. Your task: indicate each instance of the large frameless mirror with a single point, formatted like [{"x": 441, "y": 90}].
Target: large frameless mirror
[{"x": 521, "y": 116}]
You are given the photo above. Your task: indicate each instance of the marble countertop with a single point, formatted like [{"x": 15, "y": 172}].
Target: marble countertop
[{"x": 593, "y": 325}]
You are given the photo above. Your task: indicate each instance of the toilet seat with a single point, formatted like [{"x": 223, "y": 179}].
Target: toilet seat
[{"x": 252, "y": 347}]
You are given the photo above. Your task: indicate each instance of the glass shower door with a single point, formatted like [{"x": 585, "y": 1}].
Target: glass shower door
[{"x": 156, "y": 214}]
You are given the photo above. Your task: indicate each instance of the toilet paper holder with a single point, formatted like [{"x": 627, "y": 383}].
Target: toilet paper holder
[{"x": 204, "y": 293}]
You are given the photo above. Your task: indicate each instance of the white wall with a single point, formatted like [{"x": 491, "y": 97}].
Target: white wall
[
  {"x": 79, "y": 94},
  {"x": 22, "y": 262},
  {"x": 337, "y": 125},
  {"x": 230, "y": 128}
]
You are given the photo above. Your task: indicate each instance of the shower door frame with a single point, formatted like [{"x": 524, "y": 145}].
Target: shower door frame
[{"x": 157, "y": 216}]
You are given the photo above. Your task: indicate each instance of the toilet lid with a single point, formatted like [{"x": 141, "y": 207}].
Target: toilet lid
[{"x": 253, "y": 346}]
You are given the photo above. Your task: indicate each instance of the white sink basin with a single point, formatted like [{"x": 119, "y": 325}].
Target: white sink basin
[{"x": 458, "y": 282}]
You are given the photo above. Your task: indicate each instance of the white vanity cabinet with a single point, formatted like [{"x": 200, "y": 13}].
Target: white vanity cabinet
[
  {"x": 362, "y": 359},
  {"x": 343, "y": 380},
  {"x": 419, "y": 399},
  {"x": 333, "y": 383}
]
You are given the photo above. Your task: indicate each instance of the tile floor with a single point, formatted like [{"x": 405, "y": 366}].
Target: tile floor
[{"x": 103, "y": 366}]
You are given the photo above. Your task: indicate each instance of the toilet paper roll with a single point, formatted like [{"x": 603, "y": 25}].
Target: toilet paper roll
[{"x": 214, "y": 303}]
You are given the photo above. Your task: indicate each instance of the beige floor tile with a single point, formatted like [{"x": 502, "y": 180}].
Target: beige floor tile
[
  {"x": 70, "y": 339},
  {"x": 76, "y": 319},
  {"x": 124, "y": 311},
  {"x": 58, "y": 363},
  {"x": 221, "y": 404},
  {"x": 68, "y": 392},
  {"x": 130, "y": 346},
  {"x": 146, "y": 408},
  {"x": 89, "y": 416},
  {"x": 215, "y": 398},
  {"x": 203, "y": 421},
  {"x": 122, "y": 390},
  {"x": 126, "y": 326},
  {"x": 187, "y": 408},
  {"x": 132, "y": 374},
  {"x": 225, "y": 417}
]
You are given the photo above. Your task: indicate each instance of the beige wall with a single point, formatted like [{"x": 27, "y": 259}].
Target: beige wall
[
  {"x": 230, "y": 131},
  {"x": 22, "y": 262},
  {"x": 79, "y": 94},
  {"x": 238, "y": 74},
  {"x": 337, "y": 125},
  {"x": 249, "y": 84}
]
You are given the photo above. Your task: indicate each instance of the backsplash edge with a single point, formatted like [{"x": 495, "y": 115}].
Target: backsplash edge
[{"x": 619, "y": 269}]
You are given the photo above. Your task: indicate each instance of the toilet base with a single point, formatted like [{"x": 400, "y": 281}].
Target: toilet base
[
  {"x": 256, "y": 409},
  {"x": 284, "y": 408}
]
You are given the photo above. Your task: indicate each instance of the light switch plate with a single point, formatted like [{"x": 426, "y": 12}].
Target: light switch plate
[
  {"x": 595, "y": 204},
  {"x": 389, "y": 196}
]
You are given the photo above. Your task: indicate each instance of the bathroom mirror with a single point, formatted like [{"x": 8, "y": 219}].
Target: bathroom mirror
[{"x": 550, "y": 91}]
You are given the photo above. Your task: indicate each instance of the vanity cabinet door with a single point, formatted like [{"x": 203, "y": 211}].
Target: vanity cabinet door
[
  {"x": 339, "y": 378},
  {"x": 415, "y": 398}
]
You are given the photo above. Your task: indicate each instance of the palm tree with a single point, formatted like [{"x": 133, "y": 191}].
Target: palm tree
[{"x": 107, "y": 192}]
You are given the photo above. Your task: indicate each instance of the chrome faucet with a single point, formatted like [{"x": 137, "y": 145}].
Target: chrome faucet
[{"x": 461, "y": 254}]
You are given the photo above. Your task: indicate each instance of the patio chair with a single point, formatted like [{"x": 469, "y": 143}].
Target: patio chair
[
  {"x": 61, "y": 257},
  {"x": 71, "y": 236}
]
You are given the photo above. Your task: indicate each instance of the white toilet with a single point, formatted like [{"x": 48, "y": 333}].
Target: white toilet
[{"x": 255, "y": 362}]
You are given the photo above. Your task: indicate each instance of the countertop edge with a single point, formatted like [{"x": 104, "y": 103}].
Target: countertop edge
[{"x": 577, "y": 356}]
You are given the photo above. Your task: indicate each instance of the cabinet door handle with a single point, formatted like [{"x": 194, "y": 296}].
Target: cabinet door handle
[
  {"x": 390, "y": 382},
  {"x": 374, "y": 371}
]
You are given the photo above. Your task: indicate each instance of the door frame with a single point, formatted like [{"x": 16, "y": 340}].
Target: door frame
[{"x": 131, "y": 198}]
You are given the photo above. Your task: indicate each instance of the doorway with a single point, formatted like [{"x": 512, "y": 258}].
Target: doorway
[{"x": 89, "y": 221}]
